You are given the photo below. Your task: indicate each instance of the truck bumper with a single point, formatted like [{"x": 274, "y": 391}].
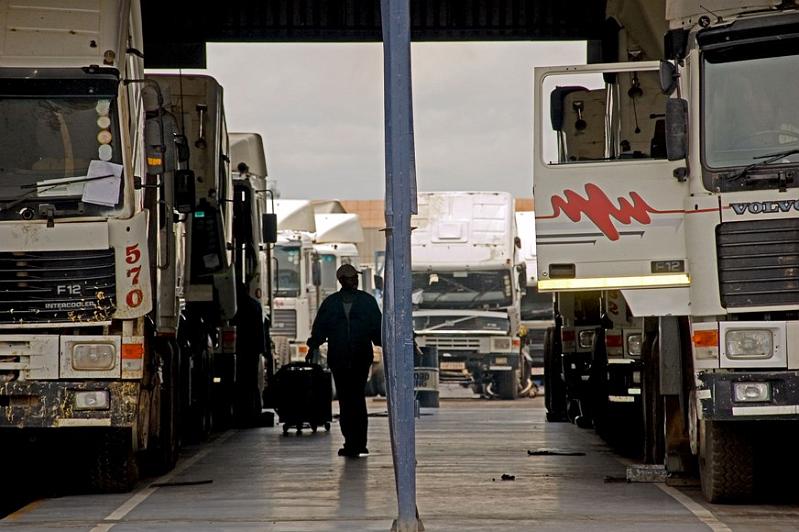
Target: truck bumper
[
  {"x": 452, "y": 365},
  {"x": 51, "y": 404},
  {"x": 716, "y": 395}
]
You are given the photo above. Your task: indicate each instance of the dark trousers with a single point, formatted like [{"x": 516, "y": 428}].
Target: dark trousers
[{"x": 350, "y": 385}]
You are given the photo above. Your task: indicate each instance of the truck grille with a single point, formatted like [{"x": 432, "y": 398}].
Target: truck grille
[
  {"x": 758, "y": 263},
  {"x": 284, "y": 323},
  {"x": 454, "y": 343},
  {"x": 57, "y": 286}
]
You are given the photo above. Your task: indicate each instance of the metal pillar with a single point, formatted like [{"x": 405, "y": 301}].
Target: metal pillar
[{"x": 400, "y": 204}]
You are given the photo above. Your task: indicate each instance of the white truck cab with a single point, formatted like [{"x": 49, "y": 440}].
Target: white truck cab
[{"x": 467, "y": 288}]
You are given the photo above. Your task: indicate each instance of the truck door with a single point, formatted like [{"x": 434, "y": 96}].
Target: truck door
[{"x": 609, "y": 212}]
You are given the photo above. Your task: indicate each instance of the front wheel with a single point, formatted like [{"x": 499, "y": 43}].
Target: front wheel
[
  {"x": 507, "y": 384},
  {"x": 554, "y": 387},
  {"x": 726, "y": 467},
  {"x": 114, "y": 468}
]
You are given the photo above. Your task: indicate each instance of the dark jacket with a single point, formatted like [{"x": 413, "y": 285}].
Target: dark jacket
[{"x": 348, "y": 341}]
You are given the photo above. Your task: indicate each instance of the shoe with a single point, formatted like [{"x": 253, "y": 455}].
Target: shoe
[
  {"x": 348, "y": 453},
  {"x": 364, "y": 452}
]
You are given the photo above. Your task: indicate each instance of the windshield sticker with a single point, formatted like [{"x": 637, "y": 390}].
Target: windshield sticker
[
  {"x": 103, "y": 107},
  {"x": 105, "y": 152},
  {"x": 104, "y": 137}
]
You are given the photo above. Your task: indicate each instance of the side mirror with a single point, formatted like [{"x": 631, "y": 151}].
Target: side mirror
[
  {"x": 378, "y": 282},
  {"x": 676, "y": 129},
  {"x": 184, "y": 200},
  {"x": 522, "y": 270},
  {"x": 668, "y": 77},
  {"x": 269, "y": 227},
  {"x": 316, "y": 272}
]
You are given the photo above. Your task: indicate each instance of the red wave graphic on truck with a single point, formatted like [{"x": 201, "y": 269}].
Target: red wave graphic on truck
[{"x": 601, "y": 210}]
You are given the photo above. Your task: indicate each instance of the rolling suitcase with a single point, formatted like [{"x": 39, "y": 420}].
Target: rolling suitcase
[{"x": 304, "y": 396}]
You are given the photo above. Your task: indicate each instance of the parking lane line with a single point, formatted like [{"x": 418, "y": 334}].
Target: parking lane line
[
  {"x": 700, "y": 511},
  {"x": 140, "y": 496}
]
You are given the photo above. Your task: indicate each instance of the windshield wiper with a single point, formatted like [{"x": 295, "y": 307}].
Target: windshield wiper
[
  {"x": 36, "y": 188},
  {"x": 767, "y": 160}
]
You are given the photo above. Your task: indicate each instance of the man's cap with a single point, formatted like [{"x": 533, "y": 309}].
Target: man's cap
[{"x": 346, "y": 270}]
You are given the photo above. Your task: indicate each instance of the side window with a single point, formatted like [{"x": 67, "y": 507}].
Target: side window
[{"x": 603, "y": 117}]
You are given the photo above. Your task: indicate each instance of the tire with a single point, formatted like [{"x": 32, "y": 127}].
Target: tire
[
  {"x": 248, "y": 391},
  {"x": 598, "y": 394},
  {"x": 165, "y": 445},
  {"x": 379, "y": 380},
  {"x": 507, "y": 384},
  {"x": 114, "y": 468},
  {"x": 726, "y": 466},
  {"x": 554, "y": 387}
]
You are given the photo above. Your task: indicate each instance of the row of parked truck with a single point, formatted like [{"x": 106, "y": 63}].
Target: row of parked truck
[{"x": 134, "y": 235}]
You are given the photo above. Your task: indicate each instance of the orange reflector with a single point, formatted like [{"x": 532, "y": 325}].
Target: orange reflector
[
  {"x": 302, "y": 349},
  {"x": 132, "y": 351},
  {"x": 154, "y": 161},
  {"x": 517, "y": 343},
  {"x": 706, "y": 338}
]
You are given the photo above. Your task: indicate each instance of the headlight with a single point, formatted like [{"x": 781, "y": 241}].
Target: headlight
[
  {"x": 749, "y": 343},
  {"x": 752, "y": 392},
  {"x": 634, "y": 342},
  {"x": 501, "y": 345},
  {"x": 587, "y": 339},
  {"x": 89, "y": 357},
  {"x": 96, "y": 400}
]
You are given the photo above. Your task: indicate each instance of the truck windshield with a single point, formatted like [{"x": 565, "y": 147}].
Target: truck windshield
[
  {"x": 536, "y": 306},
  {"x": 327, "y": 263},
  {"x": 287, "y": 271},
  {"x": 47, "y": 139},
  {"x": 750, "y": 104},
  {"x": 462, "y": 290},
  {"x": 422, "y": 324}
]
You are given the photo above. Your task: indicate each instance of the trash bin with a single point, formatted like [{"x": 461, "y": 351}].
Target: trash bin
[{"x": 425, "y": 377}]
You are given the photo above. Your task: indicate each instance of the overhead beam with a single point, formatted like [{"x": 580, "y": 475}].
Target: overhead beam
[{"x": 175, "y": 31}]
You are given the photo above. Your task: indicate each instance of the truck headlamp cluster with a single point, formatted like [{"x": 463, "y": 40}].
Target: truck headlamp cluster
[
  {"x": 93, "y": 357},
  {"x": 501, "y": 345},
  {"x": 586, "y": 339},
  {"x": 751, "y": 344},
  {"x": 751, "y": 392},
  {"x": 634, "y": 343}
]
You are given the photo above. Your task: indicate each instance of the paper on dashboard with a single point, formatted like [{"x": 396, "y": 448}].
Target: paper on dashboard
[{"x": 105, "y": 191}]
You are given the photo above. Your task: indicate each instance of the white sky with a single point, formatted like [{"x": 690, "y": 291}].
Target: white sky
[{"x": 319, "y": 108}]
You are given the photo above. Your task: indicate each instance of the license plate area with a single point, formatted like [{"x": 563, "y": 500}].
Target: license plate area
[{"x": 453, "y": 366}]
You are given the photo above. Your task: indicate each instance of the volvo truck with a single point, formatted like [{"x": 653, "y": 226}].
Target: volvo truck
[
  {"x": 254, "y": 231},
  {"x": 294, "y": 282},
  {"x": 91, "y": 357},
  {"x": 208, "y": 277},
  {"x": 536, "y": 312},
  {"x": 467, "y": 286},
  {"x": 664, "y": 180}
]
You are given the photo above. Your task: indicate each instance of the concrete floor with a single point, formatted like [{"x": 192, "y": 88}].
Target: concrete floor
[{"x": 264, "y": 481}]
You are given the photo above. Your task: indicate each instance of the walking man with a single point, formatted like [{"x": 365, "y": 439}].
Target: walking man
[{"x": 350, "y": 322}]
